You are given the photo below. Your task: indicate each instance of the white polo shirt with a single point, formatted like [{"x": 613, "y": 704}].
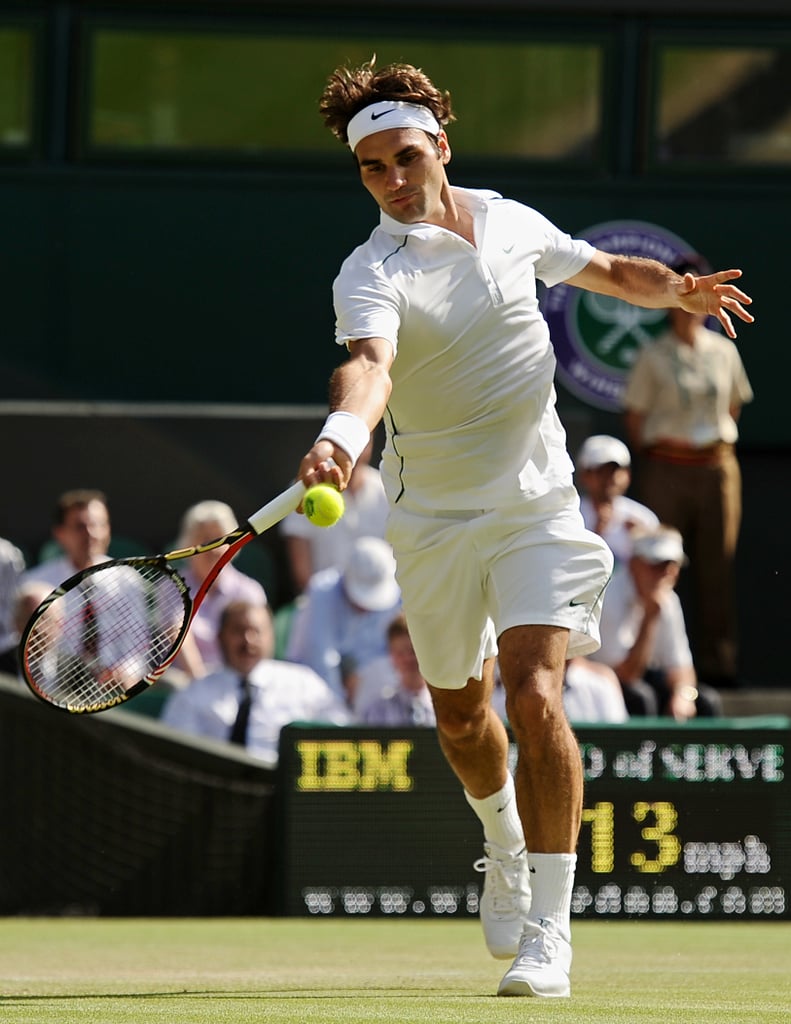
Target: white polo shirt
[{"x": 471, "y": 421}]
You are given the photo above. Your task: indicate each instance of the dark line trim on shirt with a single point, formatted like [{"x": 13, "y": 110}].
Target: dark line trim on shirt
[
  {"x": 396, "y": 250},
  {"x": 393, "y": 436}
]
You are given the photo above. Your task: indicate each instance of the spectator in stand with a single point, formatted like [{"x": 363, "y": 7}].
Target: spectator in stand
[
  {"x": 643, "y": 635},
  {"x": 200, "y": 524},
  {"x": 603, "y": 476},
  {"x": 311, "y": 549},
  {"x": 592, "y": 693},
  {"x": 251, "y": 698},
  {"x": 409, "y": 701},
  {"x": 29, "y": 595},
  {"x": 12, "y": 565},
  {"x": 81, "y": 528},
  {"x": 341, "y": 622},
  {"x": 683, "y": 399}
]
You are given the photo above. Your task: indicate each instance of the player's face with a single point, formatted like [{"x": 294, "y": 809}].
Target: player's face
[
  {"x": 405, "y": 173},
  {"x": 85, "y": 534}
]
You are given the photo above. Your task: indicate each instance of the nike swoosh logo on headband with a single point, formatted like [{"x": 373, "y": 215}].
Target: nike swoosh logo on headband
[{"x": 375, "y": 117}]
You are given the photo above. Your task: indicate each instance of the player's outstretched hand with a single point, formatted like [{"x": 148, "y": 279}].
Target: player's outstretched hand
[{"x": 713, "y": 296}]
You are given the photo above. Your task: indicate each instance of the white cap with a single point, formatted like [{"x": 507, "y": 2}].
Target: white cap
[
  {"x": 386, "y": 114},
  {"x": 664, "y": 544},
  {"x": 601, "y": 449},
  {"x": 369, "y": 577}
]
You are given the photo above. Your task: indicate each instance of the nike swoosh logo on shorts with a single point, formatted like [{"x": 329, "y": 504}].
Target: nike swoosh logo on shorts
[
  {"x": 576, "y": 604},
  {"x": 375, "y": 117}
]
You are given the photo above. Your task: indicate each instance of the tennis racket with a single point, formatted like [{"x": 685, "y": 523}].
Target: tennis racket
[{"x": 110, "y": 631}]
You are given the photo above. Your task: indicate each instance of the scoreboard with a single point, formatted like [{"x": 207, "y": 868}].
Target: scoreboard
[{"x": 689, "y": 821}]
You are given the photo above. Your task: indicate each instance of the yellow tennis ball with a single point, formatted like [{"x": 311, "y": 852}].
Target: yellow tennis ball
[{"x": 323, "y": 505}]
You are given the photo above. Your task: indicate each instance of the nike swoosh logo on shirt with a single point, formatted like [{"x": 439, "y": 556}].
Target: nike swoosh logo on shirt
[{"x": 375, "y": 117}]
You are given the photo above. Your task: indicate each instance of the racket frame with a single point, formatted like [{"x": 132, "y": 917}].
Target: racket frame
[{"x": 262, "y": 520}]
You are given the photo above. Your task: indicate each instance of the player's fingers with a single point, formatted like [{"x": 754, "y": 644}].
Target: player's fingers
[
  {"x": 726, "y": 322},
  {"x": 325, "y": 471},
  {"x": 731, "y": 291},
  {"x": 734, "y": 306}
]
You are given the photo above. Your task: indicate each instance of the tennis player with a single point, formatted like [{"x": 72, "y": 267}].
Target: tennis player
[{"x": 447, "y": 344}]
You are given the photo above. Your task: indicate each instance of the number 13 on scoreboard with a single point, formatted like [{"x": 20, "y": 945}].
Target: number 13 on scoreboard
[{"x": 659, "y": 821}]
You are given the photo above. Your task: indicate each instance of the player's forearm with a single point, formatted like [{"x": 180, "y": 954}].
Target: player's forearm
[
  {"x": 646, "y": 282},
  {"x": 359, "y": 392},
  {"x": 361, "y": 386},
  {"x": 640, "y": 281}
]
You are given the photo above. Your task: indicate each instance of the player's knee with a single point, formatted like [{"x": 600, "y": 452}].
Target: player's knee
[
  {"x": 532, "y": 703},
  {"x": 460, "y": 724}
]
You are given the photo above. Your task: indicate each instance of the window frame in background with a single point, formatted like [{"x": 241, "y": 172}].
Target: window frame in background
[
  {"x": 725, "y": 161},
  {"x": 312, "y": 144},
  {"x": 22, "y": 86}
]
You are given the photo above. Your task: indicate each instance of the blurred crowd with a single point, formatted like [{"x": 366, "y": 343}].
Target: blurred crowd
[{"x": 340, "y": 651}]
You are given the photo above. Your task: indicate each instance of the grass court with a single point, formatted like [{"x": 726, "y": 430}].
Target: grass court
[{"x": 218, "y": 971}]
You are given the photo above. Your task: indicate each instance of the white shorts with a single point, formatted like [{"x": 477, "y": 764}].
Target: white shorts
[{"x": 466, "y": 577}]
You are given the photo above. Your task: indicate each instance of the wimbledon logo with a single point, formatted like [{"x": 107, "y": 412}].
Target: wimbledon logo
[{"x": 597, "y": 338}]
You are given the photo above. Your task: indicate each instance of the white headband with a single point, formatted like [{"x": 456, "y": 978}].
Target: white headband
[{"x": 379, "y": 117}]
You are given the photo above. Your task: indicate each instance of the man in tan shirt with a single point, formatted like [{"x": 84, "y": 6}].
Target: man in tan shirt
[{"x": 682, "y": 400}]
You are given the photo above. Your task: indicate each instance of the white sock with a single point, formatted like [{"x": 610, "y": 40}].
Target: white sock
[
  {"x": 500, "y": 818},
  {"x": 551, "y": 882}
]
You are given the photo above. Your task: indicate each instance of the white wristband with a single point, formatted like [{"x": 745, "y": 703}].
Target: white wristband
[{"x": 347, "y": 431}]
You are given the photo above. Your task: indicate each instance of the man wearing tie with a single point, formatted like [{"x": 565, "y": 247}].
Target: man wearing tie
[{"x": 252, "y": 697}]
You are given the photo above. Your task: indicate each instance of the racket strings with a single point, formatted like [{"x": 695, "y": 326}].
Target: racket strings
[{"x": 93, "y": 643}]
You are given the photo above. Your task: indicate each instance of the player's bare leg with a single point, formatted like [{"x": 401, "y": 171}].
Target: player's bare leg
[
  {"x": 475, "y": 743},
  {"x": 471, "y": 735},
  {"x": 549, "y": 770},
  {"x": 549, "y": 797}
]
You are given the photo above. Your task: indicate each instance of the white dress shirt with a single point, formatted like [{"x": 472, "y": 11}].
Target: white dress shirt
[{"x": 282, "y": 693}]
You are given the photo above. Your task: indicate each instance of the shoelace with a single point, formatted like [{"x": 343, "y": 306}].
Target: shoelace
[
  {"x": 538, "y": 948},
  {"x": 503, "y": 882}
]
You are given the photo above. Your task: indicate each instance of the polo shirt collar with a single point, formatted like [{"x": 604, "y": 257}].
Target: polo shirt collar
[{"x": 474, "y": 199}]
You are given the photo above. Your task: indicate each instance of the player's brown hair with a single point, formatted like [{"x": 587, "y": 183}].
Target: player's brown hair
[{"x": 350, "y": 89}]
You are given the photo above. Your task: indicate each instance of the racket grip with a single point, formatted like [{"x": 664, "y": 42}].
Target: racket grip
[{"x": 276, "y": 509}]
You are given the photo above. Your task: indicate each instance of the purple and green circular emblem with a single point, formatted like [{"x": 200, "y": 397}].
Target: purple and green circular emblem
[{"x": 596, "y": 338}]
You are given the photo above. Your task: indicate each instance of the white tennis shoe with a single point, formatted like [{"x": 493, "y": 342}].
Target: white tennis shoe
[
  {"x": 505, "y": 900},
  {"x": 542, "y": 964}
]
